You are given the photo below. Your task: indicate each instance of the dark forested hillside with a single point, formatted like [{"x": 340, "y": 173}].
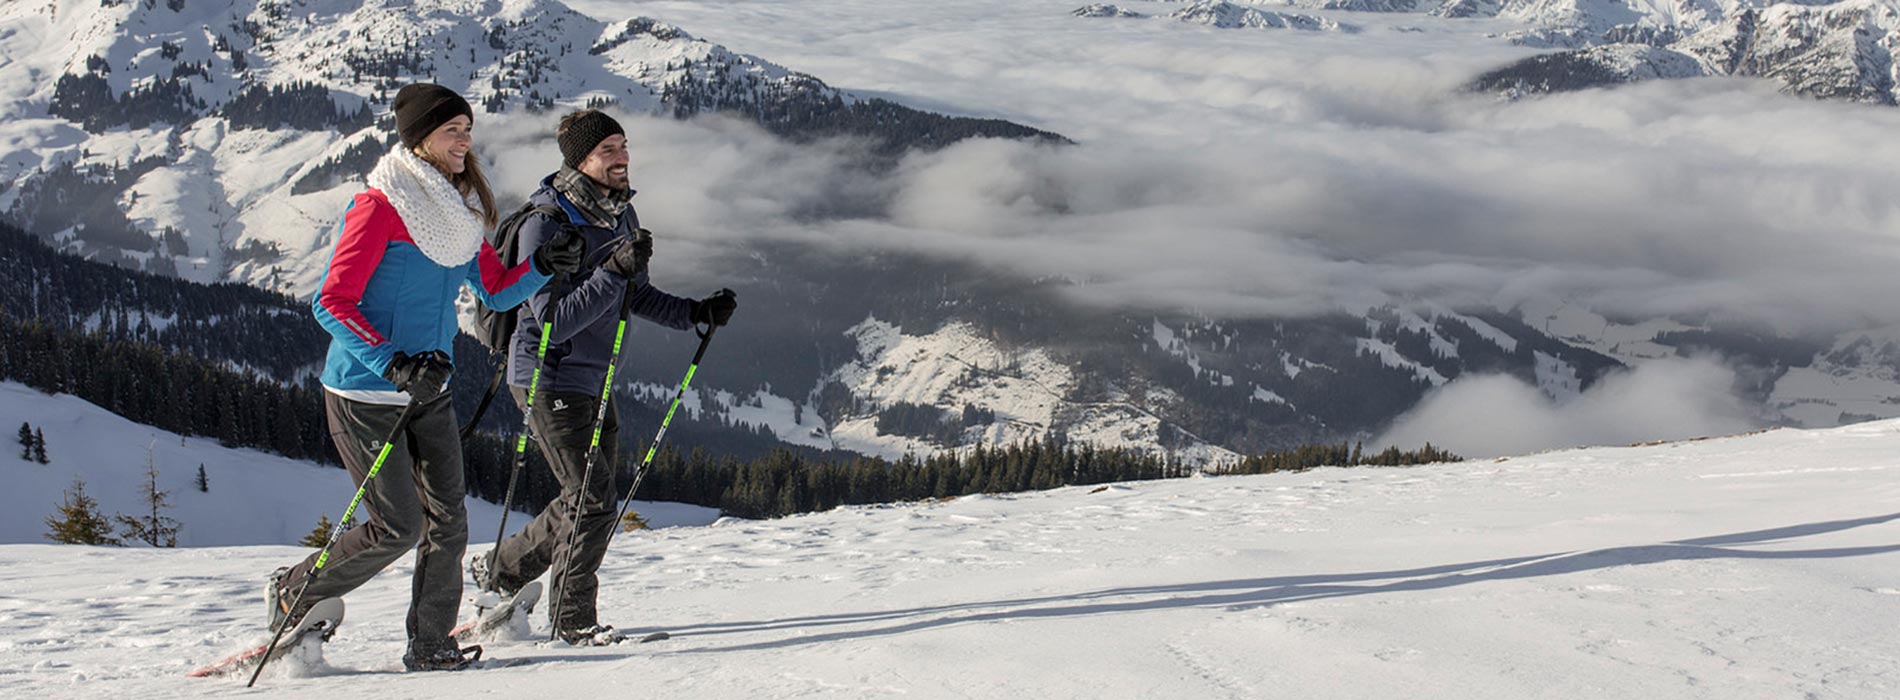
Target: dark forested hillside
[
  {"x": 227, "y": 322},
  {"x": 239, "y": 364}
]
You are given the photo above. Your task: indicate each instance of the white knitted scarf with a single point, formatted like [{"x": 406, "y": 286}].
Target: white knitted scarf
[{"x": 443, "y": 223}]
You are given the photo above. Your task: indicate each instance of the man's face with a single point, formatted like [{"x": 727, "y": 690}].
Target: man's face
[{"x": 607, "y": 163}]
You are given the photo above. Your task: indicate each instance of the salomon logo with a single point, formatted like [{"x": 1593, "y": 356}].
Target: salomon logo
[{"x": 560, "y": 405}]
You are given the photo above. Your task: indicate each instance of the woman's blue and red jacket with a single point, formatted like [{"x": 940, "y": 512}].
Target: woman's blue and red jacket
[{"x": 381, "y": 294}]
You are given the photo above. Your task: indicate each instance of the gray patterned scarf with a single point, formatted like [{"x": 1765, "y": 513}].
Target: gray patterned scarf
[{"x": 601, "y": 210}]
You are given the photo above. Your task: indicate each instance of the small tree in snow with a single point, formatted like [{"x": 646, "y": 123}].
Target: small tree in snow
[
  {"x": 78, "y": 520},
  {"x": 321, "y": 535},
  {"x": 39, "y": 446},
  {"x": 155, "y": 529},
  {"x": 632, "y": 521},
  {"x": 204, "y": 482},
  {"x": 26, "y": 441}
]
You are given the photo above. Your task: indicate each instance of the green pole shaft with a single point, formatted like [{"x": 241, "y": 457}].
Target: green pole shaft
[
  {"x": 521, "y": 452},
  {"x": 587, "y": 469},
  {"x": 704, "y": 341}
]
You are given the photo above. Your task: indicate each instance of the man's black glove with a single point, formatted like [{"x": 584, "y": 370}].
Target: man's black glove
[
  {"x": 424, "y": 376},
  {"x": 631, "y": 254},
  {"x": 560, "y": 253},
  {"x": 715, "y": 310}
]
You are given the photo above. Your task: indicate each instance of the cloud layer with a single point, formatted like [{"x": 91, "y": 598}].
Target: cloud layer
[
  {"x": 1501, "y": 415},
  {"x": 1260, "y": 173},
  {"x": 1663, "y": 217}
]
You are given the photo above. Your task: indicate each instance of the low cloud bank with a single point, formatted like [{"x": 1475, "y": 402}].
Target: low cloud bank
[{"x": 1500, "y": 415}]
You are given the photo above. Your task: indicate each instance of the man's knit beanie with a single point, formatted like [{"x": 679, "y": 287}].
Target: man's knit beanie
[{"x": 582, "y": 132}]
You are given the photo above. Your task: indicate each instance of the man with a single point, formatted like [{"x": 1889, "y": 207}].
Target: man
[{"x": 591, "y": 189}]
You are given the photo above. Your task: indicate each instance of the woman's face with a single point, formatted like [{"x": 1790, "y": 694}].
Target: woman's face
[{"x": 447, "y": 146}]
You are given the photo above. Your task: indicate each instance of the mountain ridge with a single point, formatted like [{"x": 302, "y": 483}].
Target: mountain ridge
[{"x": 139, "y": 106}]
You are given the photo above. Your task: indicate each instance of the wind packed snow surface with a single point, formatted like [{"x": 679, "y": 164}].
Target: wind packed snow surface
[{"x": 1758, "y": 566}]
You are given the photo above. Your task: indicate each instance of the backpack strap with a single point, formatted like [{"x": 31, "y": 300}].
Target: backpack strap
[
  {"x": 494, "y": 385},
  {"x": 511, "y": 240}
]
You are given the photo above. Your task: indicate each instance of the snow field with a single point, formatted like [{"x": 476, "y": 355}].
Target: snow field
[{"x": 1755, "y": 566}]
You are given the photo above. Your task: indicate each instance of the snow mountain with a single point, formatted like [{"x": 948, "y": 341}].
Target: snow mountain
[
  {"x": 1829, "y": 49},
  {"x": 212, "y": 140},
  {"x": 917, "y": 356},
  {"x": 1842, "y": 50},
  {"x": 1105, "y": 10},
  {"x": 1221, "y": 14},
  {"x": 1855, "y": 379},
  {"x": 1226, "y": 15}
]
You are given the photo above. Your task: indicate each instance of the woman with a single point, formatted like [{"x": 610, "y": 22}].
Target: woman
[{"x": 405, "y": 247}]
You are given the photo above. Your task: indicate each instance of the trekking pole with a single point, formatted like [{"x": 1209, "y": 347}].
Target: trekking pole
[
  {"x": 705, "y": 339},
  {"x": 587, "y": 468},
  {"x": 323, "y": 556},
  {"x": 521, "y": 445}
]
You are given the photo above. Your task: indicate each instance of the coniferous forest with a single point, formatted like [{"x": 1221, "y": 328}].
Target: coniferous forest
[{"x": 238, "y": 364}]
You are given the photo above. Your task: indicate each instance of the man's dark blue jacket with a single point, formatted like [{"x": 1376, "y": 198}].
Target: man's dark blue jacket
[{"x": 589, "y": 307}]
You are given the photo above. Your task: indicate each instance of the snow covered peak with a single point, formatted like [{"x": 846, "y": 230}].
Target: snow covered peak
[
  {"x": 1226, "y": 15},
  {"x": 1836, "y": 50},
  {"x": 1105, "y": 10},
  {"x": 1576, "y": 22},
  {"x": 638, "y": 27},
  {"x": 1847, "y": 50}
]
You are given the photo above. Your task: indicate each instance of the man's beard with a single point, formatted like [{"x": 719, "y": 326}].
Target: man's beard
[{"x": 616, "y": 178}]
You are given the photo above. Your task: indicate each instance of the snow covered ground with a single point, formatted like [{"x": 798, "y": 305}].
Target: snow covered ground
[{"x": 1757, "y": 566}]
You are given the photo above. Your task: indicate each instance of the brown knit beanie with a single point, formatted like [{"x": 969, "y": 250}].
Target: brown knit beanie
[{"x": 581, "y": 132}]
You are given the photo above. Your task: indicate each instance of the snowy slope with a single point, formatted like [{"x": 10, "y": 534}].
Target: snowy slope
[
  {"x": 1856, "y": 379},
  {"x": 1030, "y": 392},
  {"x": 254, "y": 497},
  {"x": 1741, "y": 568}
]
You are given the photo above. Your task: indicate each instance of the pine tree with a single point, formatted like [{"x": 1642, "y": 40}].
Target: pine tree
[
  {"x": 321, "y": 535},
  {"x": 632, "y": 521},
  {"x": 78, "y": 520},
  {"x": 39, "y": 447},
  {"x": 155, "y": 529},
  {"x": 26, "y": 441},
  {"x": 204, "y": 482}
]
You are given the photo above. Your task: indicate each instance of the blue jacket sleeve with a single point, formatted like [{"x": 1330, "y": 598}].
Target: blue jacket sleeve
[
  {"x": 580, "y": 305},
  {"x": 660, "y": 307}
]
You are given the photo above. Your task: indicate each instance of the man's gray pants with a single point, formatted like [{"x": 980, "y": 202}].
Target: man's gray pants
[
  {"x": 415, "y": 502},
  {"x": 563, "y": 425}
]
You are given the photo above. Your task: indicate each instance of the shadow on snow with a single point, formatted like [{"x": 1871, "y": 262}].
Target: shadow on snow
[{"x": 1241, "y": 594}]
